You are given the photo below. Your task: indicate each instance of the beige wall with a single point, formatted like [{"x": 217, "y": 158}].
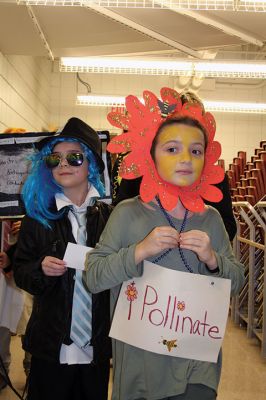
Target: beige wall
[{"x": 24, "y": 92}]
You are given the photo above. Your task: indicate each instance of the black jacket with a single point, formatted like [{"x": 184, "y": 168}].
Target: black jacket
[{"x": 49, "y": 324}]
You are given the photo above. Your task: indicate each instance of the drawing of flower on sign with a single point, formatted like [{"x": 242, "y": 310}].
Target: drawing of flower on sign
[
  {"x": 181, "y": 305},
  {"x": 132, "y": 295}
]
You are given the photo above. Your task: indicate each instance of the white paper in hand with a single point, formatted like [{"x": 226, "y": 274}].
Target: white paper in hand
[{"x": 76, "y": 255}]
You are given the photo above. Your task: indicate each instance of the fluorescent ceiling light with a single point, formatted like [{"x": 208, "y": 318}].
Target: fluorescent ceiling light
[
  {"x": 225, "y": 106},
  {"x": 163, "y": 67},
  {"x": 125, "y": 66},
  {"x": 215, "y": 106},
  {"x": 223, "y": 5},
  {"x": 101, "y": 101},
  {"x": 245, "y": 5},
  {"x": 230, "y": 70}
]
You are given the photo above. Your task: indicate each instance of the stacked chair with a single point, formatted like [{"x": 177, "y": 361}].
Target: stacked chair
[
  {"x": 248, "y": 179},
  {"x": 248, "y": 191}
]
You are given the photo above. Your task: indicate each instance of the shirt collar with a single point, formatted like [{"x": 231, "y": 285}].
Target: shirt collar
[{"x": 63, "y": 201}]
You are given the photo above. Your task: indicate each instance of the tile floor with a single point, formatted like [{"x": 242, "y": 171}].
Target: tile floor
[{"x": 243, "y": 375}]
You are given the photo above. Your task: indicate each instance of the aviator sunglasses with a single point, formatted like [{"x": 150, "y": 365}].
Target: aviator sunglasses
[{"x": 75, "y": 159}]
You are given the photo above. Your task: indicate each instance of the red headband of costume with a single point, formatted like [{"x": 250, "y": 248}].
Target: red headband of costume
[{"x": 141, "y": 123}]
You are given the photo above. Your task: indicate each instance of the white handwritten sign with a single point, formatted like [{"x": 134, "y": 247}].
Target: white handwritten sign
[
  {"x": 173, "y": 313},
  {"x": 14, "y": 169}
]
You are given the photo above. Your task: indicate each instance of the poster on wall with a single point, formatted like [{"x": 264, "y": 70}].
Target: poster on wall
[{"x": 15, "y": 152}]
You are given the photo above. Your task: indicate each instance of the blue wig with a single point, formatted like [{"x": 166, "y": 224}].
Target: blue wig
[{"x": 40, "y": 187}]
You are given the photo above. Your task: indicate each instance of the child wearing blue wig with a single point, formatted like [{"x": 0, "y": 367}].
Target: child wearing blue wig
[{"x": 67, "y": 333}]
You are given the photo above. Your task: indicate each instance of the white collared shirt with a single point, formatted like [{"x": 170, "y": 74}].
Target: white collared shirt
[{"x": 72, "y": 354}]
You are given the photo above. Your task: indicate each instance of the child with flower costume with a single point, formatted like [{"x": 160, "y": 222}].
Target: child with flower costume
[
  {"x": 123, "y": 189},
  {"x": 171, "y": 146}
]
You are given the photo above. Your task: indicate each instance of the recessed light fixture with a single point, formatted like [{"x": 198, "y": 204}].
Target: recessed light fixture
[{"x": 213, "y": 106}]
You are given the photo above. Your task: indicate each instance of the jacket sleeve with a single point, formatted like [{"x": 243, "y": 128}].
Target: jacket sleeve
[{"x": 29, "y": 254}]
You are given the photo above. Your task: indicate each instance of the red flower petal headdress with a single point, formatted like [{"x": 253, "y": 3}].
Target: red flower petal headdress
[{"x": 141, "y": 123}]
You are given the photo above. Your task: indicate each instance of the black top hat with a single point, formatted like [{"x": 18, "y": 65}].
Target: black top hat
[{"x": 77, "y": 129}]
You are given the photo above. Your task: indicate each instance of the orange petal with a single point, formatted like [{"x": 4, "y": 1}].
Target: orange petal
[
  {"x": 213, "y": 174},
  {"x": 118, "y": 120},
  {"x": 171, "y": 97},
  {"x": 211, "y": 193},
  {"x": 120, "y": 143},
  {"x": 192, "y": 202},
  {"x": 213, "y": 152},
  {"x": 210, "y": 124}
]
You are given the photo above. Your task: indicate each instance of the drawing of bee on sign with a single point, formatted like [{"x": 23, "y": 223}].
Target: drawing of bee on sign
[{"x": 170, "y": 344}]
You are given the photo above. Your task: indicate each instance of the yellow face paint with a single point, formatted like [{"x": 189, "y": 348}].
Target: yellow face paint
[{"x": 179, "y": 154}]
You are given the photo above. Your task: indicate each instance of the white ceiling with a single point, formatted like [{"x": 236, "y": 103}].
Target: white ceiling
[{"x": 82, "y": 31}]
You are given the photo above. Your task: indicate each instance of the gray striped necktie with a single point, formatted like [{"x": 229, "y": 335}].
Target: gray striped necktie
[{"x": 80, "y": 331}]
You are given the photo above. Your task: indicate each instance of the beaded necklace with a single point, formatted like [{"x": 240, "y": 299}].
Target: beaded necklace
[{"x": 171, "y": 223}]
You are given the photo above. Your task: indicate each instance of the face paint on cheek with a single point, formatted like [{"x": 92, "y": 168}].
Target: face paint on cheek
[
  {"x": 184, "y": 181},
  {"x": 198, "y": 166},
  {"x": 165, "y": 166}
]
